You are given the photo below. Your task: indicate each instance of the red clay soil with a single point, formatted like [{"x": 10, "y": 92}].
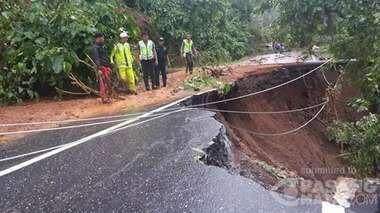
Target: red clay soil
[
  {"x": 308, "y": 149},
  {"x": 242, "y": 71}
]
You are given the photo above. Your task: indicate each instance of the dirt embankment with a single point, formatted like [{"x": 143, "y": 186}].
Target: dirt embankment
[{"x": 307, "y": 153}]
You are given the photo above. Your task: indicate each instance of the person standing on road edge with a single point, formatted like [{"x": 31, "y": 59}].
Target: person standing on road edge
[
  {"x": 100, "y": 58},
  {"x": 122, "y": 58},
  {"x": 163, "y": 62},
  {"x": 148, "y": 60},
  {"x": 188, "y": 52}
]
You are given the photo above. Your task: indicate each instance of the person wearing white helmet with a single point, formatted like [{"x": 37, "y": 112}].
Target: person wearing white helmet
[
  {"x": 188, "y": 52},
  {"x": 122, "y": 58}
]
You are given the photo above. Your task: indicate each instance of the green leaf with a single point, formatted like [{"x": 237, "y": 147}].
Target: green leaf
[
  {"x": 67, "y": 67},
  {"x": 58, "y": 64}
]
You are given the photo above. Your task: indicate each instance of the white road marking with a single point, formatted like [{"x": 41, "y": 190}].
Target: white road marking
[
  {"x": 84, "y": 140},
  {"x": 331, "y": 208}
]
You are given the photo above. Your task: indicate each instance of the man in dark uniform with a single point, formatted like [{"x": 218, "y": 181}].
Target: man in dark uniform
[
  {"x": 163, "y": 61},
  {"x": 100, "y": 58}
]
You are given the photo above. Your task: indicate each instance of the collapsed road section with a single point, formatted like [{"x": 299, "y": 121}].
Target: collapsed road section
[{"x": 279, "y": 134}]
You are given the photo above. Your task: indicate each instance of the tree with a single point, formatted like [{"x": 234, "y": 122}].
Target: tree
[
  {"x": 41, "y": 41},
  {"x": 350, "y": 29},
  {"x": 219, "y": 27}
]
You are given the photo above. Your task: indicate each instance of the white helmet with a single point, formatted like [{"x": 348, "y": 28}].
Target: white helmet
[{"x": 124, "y": 35}]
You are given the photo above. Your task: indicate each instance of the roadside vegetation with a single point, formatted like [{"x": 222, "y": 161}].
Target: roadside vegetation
[
  {"x": 43, "y": 41},
  {"x": 350, "y": 30},
  {"x": 209, "y": 77}
]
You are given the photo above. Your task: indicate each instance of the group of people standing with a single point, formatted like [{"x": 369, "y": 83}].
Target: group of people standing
[{"x": 153, "y": 59}]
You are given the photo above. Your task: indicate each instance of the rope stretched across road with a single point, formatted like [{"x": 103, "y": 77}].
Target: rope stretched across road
[
  {"x": 266, "y": 112},
  {"x": 168, "y": 110},
  {"x": 160, "y": 115},
  {"x": 121, "y": 120},
  {"x": 70, "y": 120},
  {"x": 265, "y": 90},
  {"x": 60, "y": 128},
  {"x": 171, "y": 111},
  {"x": 157, "y": 116},
  {"x": 282, "y": 133},
  {"x": 190, "y": 106},
  {"x": 167, "y": 114}
]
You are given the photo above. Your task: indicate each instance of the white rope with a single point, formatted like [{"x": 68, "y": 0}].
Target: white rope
[
  {"x": 282, "y": 133},
  {"x": 176, "y": 111},
  {"x": 190, "y": 106},
  {"x": 71, "y": 120},
  {"x": 31, "y": 153},
  {"x": 265, "y": 90},
  {"x": 160, "y": 115},
  {"x": 268, "y": 112},
  {"x": 325, "y": 78},
  {"x": 115, "y": 121},
  {"x": 75, "y": 126},
  {"x": 60, "y": 128}
]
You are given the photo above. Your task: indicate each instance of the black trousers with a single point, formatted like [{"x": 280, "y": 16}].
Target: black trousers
[
  {"x": 160, "y": 70},
  {"x": 189, "y": 63},
  {"x": 147, "y": 67}
]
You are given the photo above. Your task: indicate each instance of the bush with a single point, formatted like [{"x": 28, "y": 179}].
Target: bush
[
  {"x": 41, "y": 40},
  {"x": 362, "y": 139}
]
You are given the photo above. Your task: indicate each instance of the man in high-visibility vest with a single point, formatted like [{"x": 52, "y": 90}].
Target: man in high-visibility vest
[
  {"x": 148, "y": 60},
  {"x": 188, "y": 52},
  {"x": 122, "y": 58}
]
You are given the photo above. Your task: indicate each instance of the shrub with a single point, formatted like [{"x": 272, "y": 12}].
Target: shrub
[
  {"x": 362, "y": 139},
  {"x": 41, "y": 40}
]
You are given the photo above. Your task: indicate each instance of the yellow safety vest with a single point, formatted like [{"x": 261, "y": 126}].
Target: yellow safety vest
[
  {"x": 146, "y": 51},
  {"x": 121, "y": 55},
  {"x": 187, "y": 46}
]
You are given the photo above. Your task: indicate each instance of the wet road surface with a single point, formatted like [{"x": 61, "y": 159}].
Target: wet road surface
[{"x": 147, "y": 168}]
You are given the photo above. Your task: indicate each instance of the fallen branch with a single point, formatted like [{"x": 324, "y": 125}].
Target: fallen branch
[
  {"x": 81, "y": 85},
  {"x": 70, "y": 93},
  {"x": 93, "y": 67}
]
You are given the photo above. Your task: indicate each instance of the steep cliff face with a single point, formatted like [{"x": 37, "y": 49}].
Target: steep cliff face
[
  {"x": 259, "y": 136},
  {"x": 260, "y": 150}
]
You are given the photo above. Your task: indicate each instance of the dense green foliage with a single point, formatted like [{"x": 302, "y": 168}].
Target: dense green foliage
[
  {"x": 41, "y": 40},
  {"x": 351, "y": 30},
  {"x": 362, "y": 139},
  {"x": 220, "y": 28}
]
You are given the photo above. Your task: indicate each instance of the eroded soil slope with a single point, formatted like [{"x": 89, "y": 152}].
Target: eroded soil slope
[{"x": 303, "y": 152}]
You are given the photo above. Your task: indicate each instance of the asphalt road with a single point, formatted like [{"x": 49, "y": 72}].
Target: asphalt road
[{"x": 147, "y": 168}]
